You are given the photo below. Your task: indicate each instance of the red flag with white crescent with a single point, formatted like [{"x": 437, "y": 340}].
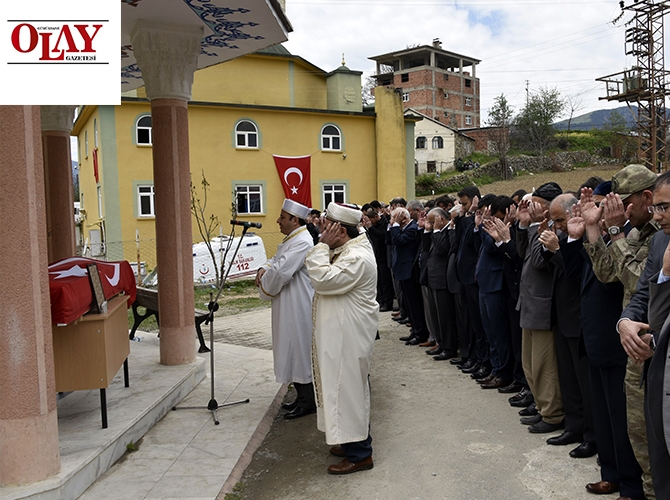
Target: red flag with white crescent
[{"x": 295, "y": 178}]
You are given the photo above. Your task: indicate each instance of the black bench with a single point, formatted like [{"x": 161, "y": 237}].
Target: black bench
[{"x": 148, "y": 298}]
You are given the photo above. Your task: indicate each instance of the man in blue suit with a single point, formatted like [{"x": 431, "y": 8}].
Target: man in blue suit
[{"x": 404, "y": 235}]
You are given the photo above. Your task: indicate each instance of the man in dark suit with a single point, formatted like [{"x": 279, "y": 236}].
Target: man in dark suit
[
  {"x": 489, "y": 274},
  {"x": 404, "y": 235},
  {"x": 466, "y": 262},
  {"x": 570, "y": 354},
  {"x": 651, "y": 296},
  {"x": 442, "y": 307},
  {"x": 502, "y": 228},
  {"x": 376, "y": 226},
  {"x": 601, "y": 305}
]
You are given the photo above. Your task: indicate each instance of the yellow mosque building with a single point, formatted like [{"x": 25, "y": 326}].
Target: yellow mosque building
[{"x": 242, "y": 115}]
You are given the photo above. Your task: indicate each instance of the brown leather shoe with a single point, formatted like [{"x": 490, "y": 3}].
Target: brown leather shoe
[
  {"x": 337, "y": 451},
  {"x": 486, "y": 379},
  {"x": 428, "y": 343},
  {"x": 346, "y": 467},
  {"x": 494, "y": 383},
  {"x": 602, "y": 487}
]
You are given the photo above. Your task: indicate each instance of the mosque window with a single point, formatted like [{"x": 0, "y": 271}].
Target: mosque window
[
  {"x": 143, "y": 134},
  {"x": 246, "y": 135},
  {"x": 331, "y": 138},
  {"x": 249, "y": 198}
]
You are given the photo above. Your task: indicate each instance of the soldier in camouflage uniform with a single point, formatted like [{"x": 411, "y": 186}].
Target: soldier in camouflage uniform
[{"x": 624, "y": 260}]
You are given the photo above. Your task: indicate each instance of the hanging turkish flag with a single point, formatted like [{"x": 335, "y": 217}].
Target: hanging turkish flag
[
  {"x": 95, "y": 165},
  {"x": 295, "y": 179}
]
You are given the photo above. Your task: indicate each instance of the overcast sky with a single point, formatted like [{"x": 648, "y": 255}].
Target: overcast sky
[{"x": 551, "y": 43}]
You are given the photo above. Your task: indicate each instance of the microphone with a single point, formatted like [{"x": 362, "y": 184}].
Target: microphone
[{"x": 245, "y": 223}]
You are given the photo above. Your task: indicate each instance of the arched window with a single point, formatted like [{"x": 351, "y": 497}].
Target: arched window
[
  {"x": 246, "y": 134},
  {"x": 95, "y": 133},
  {"x": 331, "y": 138},
  {"x": 143, "y": 134},
  {"x": 438, "y": 143},
  {"x": 421, "y": 142}
]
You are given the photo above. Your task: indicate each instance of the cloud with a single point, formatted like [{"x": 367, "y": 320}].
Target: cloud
[{"x": 565, "y": 45}]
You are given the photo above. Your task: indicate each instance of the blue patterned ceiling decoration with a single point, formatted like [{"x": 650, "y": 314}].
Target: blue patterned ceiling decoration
[
  {"x": 225, "y": 31},
  {"x": 231, "y": 28}
]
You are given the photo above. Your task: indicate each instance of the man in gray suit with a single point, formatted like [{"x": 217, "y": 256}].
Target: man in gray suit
[
  {"x": 535, "y": 301},
  {"x": 654, "y": 290}
]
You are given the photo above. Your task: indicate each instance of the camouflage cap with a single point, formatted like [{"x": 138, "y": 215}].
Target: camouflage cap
[{"x": 632, "y": 179}]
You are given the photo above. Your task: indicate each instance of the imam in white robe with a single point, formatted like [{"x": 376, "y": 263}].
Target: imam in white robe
[
  {"x": 346, "y": 316},
  {"x": 287, "y": 285}
]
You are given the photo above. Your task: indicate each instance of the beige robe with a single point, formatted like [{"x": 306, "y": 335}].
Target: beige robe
[{"x": 346, "y": 317}]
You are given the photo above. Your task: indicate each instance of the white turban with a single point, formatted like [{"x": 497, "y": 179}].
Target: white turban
[
  {"x": 344, "y": 215},
  {"x": 295, "y": 208}
]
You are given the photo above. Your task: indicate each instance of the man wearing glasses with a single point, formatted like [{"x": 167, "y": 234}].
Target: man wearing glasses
[{"x": 629, "y": 222}]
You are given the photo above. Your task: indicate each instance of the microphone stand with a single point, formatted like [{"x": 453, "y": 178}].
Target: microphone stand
[{"x": 212, "y": 307}]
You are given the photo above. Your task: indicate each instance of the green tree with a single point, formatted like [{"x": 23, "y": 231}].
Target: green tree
[
  {"x": 535, "y": 121},
  {"x": 500, "y": 120}
]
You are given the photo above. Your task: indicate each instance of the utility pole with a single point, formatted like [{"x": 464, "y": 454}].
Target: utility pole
[
  {"x": 527, "y": 84},
  {"x": 645, "y": 84}
]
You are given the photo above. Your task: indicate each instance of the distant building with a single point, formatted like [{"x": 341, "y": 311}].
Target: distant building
[
  {"x": 439, "y": 84},
  {"x": 436, "y": 145}
]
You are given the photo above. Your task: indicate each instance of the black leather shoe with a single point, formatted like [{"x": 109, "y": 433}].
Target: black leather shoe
[
  {"x": 467, "y": 365},
  {"x": 474, "y": 368},
  {"x": 566, "y": 438},
  {"x": 457, "y": 361},
  {"x": 523, "y": 403},
  {"x": 290, "y": 406},
  {"x": 403, "y": 321},
  {"x": 543, "y": 427},
  {"x": 414, "y": 341},
  {"x": 529, "y": 411},
  {"x": 300, "y": 412},
  {"x": 443, "y": 356},
  {"x": 532, "y": 420},
  {"x": 511, "y": 388},
  {"x": 519, "y": 395},
  {"x": 406, "y": 338},
  {"x": 483, "y": 372},
  {"x": 434, "y": 351},
  {"x": 384, "y": 309},
  {"x": 399, "y": 319},
  {"x": 585, "y": 450}
]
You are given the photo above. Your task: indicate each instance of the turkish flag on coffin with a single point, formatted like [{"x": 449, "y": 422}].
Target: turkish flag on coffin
[{"x": 295, "y": 179}]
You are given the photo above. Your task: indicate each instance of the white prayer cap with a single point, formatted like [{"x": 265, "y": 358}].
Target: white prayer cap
[
  {"x": 342, "y": 214},
  {"x": 295, "y": 208}
]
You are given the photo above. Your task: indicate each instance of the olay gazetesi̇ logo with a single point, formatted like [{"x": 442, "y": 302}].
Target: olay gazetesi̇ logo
[{"x": 55, "y": 42}]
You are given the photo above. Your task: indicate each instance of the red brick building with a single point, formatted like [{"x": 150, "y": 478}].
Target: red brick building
[{"x": 441, "y": 85}]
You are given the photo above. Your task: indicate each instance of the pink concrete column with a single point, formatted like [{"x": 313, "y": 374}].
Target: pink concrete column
[
  {"x": 56, "y": 128},
  {"x": 168, "y": 57},
  {"x": 28, "y": 421}
]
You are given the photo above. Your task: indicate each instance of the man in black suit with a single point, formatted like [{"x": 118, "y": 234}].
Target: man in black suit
[
  {"x": 601, "y": 305},
  {"x": 653, "y": 285},
  {"x": 570, "y": 354},
  {"x": 376, "y": 227},
  {"x": 466, "y": 262},
  {"x": 443, "y": 309}
]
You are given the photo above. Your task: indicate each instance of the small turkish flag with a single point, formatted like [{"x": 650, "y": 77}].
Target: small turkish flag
[{"x": 295, "y": 178}]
